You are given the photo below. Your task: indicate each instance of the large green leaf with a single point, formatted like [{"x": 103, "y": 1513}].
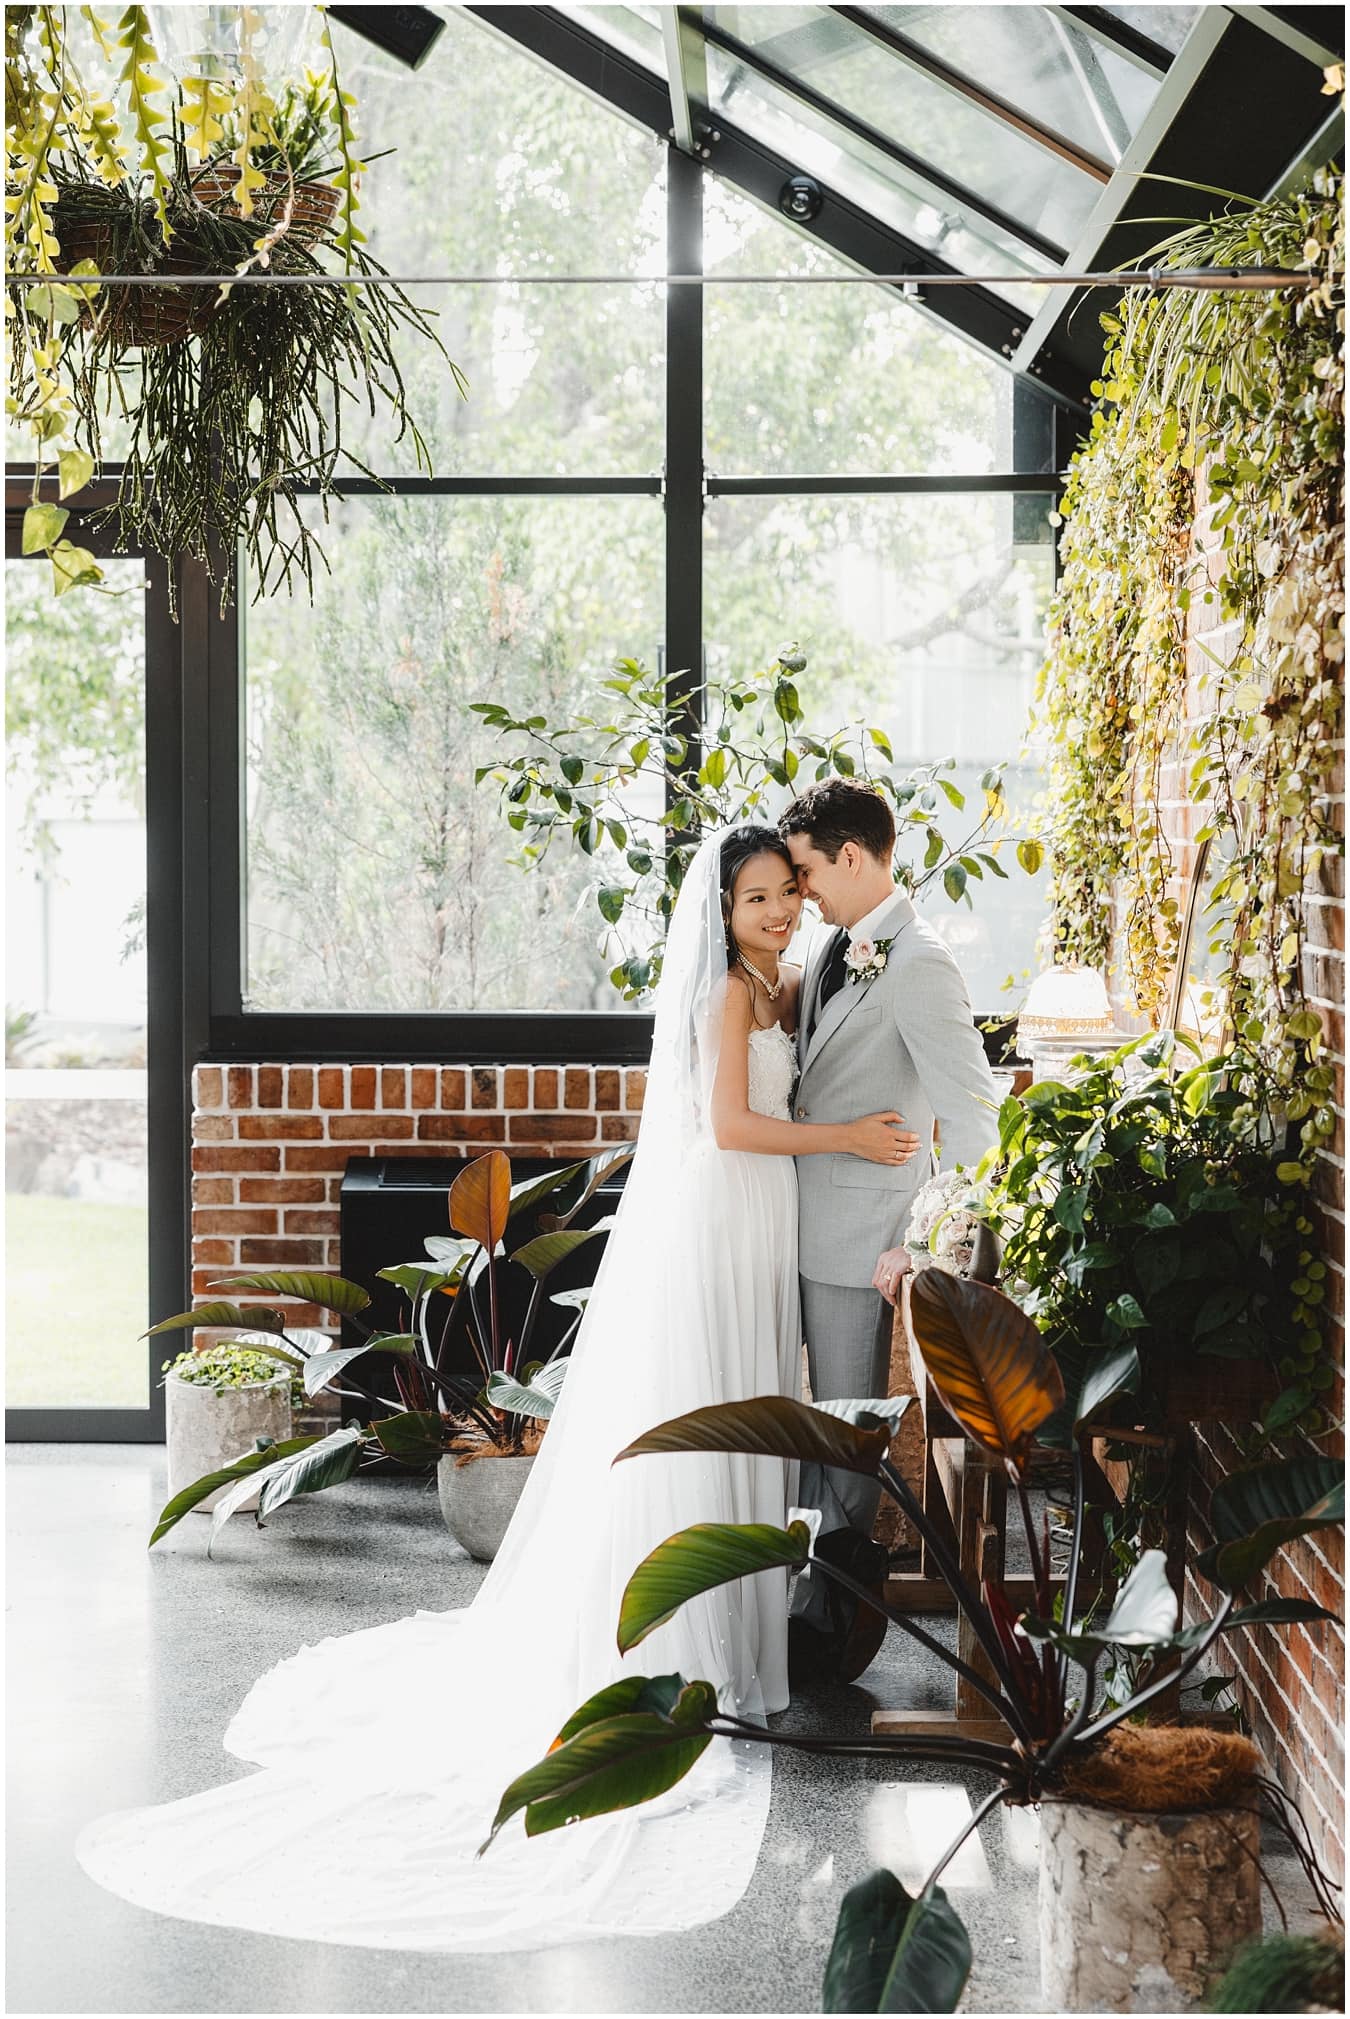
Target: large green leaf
[
  {"x": 887, "y": 1409},
  {"x": 537, "y": 1397},
  {"x": 892, "y": 1953},
  {"x": 1146, "y": 1608},
  {"x": 1254, "y": 1513},
  {"x": 611, "y": 1765},
  {"x": 700, "y": 1558},
  {"x": 987, "y": 1360},
  {"x": 321, "y": 1368},
  {"x": 420, "y": 1279},
  {"x": 1108, "y": 1375},
  {"x": 261, "y": 1316},
  {"x": 416, "y": 1436},
  {"x": 530, "y": 1190},
  {"x": 581, "y": 1190},
  {"x": 542, "y": 1255},
  {"x": 333, "y": 1293},
  {"x": 770, "y": 1425},
  {"x": 451, "y": 1251},
  {"x": 332, "y": 1459},
  {"x": 238, "y": 1468},
  {"x": 658, "y": 1693}
]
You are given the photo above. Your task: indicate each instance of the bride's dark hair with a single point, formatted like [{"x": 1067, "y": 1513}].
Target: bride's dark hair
[{"x": 738, "y": 847}]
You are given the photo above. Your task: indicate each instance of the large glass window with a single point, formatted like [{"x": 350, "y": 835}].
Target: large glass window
[
  {"x": 75, "y": 994},
  {"x": 379, "y": 877},
  {"x": 920, "y": 615}
]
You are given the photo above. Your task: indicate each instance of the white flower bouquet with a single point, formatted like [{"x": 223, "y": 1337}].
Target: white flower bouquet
[{"x": 943, "y": 1221}]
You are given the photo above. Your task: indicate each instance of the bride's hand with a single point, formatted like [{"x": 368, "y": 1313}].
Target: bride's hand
[{"x": 882, "y": 1139}]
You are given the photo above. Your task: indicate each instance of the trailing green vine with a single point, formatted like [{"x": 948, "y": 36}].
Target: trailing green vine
[{"x": 1232, "y": 403}]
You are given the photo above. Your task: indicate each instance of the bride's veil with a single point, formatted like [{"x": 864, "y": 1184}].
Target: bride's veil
[{"x": 385, "y": 1751}]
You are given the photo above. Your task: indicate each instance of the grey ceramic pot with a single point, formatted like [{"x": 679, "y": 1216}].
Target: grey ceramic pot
[
  {"x": 479, "y": 1499},
  {"x": 204, "y": 1431}
]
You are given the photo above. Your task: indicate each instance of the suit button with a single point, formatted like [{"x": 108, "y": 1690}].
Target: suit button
[{"x": 801, "y": 1113}]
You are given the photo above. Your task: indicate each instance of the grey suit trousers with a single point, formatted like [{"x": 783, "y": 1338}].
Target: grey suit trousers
[{"x": 848, "y": 1350}]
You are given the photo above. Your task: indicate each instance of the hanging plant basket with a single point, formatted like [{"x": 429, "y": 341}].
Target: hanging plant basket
[
  {"x": 119, "y": 235},
  {"x": 314, "y": 205}
]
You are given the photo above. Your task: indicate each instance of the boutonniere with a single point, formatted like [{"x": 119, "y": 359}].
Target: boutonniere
[{"x": 866, "y": 959}]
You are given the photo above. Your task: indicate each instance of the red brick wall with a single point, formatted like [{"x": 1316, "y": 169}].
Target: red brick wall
[
  {"x": 1291, "y": 1678},
  {"x": 270, "y": 1144}
]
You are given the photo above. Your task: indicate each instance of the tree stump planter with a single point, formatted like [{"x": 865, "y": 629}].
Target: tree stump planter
[
  {"x": 478, "y": 1498},
  {"x": 204, "y": 1431},
  {"x": 1150, "y": 1870}
]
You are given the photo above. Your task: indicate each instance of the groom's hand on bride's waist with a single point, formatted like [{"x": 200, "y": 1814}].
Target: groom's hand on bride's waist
[{"x": 890, "y": 1268}]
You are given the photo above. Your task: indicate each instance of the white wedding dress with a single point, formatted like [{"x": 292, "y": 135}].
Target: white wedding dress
[{"x": 383, "y": 1753}]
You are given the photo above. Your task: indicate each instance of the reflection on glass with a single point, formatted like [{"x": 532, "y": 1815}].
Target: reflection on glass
[
  {"x": 850, "y": 379},
  {"x": 75, "y": 1002},
  {"x": 869, "y": 178},
  {"x": 1045, "y": 62},
  {"x": 634, "y": 30},
  {"x": 378, "y": 876},
  {"x": 853, "y": 70},
  {"x": 921, "y": 616}
]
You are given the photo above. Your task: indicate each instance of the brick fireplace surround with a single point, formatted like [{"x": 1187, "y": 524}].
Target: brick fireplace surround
[{"x": 270, "y": 1144}]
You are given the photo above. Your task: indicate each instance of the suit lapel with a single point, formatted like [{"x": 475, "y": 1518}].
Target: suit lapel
[
  {"x": 851, "y": 994},
  {"x": 810, "y": 990}
]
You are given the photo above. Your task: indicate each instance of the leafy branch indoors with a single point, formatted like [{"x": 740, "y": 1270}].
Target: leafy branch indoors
[
  {"x": 462, "y": 1375},
  {"x": 636, "y": 787},
  {"x": 993, "y": 1371}
]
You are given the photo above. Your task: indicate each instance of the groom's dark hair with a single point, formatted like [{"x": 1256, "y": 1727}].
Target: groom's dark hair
[{"x": 839, "y": 810}]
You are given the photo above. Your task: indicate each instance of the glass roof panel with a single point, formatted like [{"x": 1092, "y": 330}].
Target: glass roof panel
[
  {"x": 872, "y": 180},
  {"x": 966, "y": 143},
  {"x": 1167, "y": 26},
  {"x": 1042, "y": 61},
  {"x": 633, "y": 31}
]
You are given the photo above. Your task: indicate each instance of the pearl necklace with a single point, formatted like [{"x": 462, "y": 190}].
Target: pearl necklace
[{"x": 773, "y": 989}]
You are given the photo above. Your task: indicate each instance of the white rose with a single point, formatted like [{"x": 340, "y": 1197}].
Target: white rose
[{"x": 860, "y": 954}]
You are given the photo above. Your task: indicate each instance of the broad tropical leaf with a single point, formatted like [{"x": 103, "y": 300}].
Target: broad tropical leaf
[
  {"x": 334, "y": 1293},
  {"x": 1109, "y": 1374},
  {"x": 480, "y": 1199},
  {"x": 1256, "y": 1512},
  {"x": 1269, "y": 1612},
  {"x": 583, "y": 1188},
  {"x": 986, "y": 1358},
  {"x": 416, "y": 1436},
  {"x": 265, "y": 1343},
  {"x": 611, "y": 1765},
  {"x": 260, "y": 1316},
  {"x": 542, "y": 1255},
  {"x": 772, "y": 1425},
  {"x": 536, "y": 1397},
  {"x": 320, "y": 1368},
  {"x": 420, "y": 1279},
  {"x": 333, "y": 1459},
  {"x": 658, "y": 1693},
  {"x": 238, "y": 1468},
  {"x": 892, "y": 1953},
  {"x": 530, "y": 1190},
  {"x": 700, "y": 1558}
]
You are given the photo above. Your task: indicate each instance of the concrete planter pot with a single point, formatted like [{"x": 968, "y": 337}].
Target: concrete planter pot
[
  {"x": 1139, "y": 1912},
  {"x": 478, "y": 1500},
  {"x": 204, "y": 1431}
]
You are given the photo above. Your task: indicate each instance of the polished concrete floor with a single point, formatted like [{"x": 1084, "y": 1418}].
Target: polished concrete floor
[{"x": 125, "y": 1665}]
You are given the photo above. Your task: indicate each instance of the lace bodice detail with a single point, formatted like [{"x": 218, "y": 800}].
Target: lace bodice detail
[{"x": 773, "y": 1072}]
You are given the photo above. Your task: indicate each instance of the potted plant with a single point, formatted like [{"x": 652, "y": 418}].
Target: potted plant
[
  {"x": 480, "y": 1428},
  {"x": 897, "y": 1953},
  {"x": 1148, "y": 1216},
  {"x": 233, "y": 395},
  {"x": 219, "y": 1402}
]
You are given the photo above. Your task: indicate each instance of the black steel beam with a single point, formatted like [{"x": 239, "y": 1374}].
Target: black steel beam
[
  {"x": 1108, "y": 28},
  {"x": 684, "y": 452}
]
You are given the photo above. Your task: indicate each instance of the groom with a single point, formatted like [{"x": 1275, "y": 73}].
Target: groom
[{"x": 884, "y": 1023}]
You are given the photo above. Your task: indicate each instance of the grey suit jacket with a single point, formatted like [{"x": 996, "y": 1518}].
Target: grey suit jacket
[{"x": 905, "y": 1041}]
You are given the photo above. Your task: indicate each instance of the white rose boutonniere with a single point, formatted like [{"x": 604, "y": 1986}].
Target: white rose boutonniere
[{"x": 866, "y": 959}]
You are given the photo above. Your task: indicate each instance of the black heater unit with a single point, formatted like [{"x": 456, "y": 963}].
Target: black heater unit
[{"x": 389, "y": 1205}]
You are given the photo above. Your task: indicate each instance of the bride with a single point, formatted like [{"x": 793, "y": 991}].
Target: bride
[{"x": 346, "y": 1835}]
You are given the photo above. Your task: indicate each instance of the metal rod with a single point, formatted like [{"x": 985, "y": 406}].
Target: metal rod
[{"x": 1240, "y": 279}]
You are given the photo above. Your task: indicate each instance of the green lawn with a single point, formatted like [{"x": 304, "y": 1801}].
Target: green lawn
[{"x": 75, "y": 1303}]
